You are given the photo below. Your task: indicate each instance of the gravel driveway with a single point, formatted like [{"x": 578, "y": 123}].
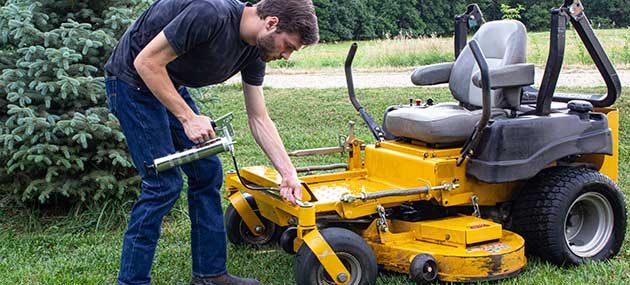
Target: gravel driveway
[{"x": 577, "y": 77}]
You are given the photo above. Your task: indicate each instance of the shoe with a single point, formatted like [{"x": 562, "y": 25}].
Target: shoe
[{"x": 225, "y": 279}]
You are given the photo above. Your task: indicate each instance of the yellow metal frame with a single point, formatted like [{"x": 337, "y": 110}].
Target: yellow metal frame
[
  {"x": 608, "y": 164},
  {"x": 242, "y": 207},
  {"x": 466, "y": 248},
  {"x": 308, "y": 233},
  {"x": 327, "y": 256}
]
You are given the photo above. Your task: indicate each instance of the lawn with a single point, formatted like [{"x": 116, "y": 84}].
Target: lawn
[
  {"x": 83, "y": 246},
  {"x": 408, "y": 52}
]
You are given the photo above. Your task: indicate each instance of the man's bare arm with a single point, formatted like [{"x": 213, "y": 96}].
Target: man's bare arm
[
  {"x": 151, "y": 66},
  {"x": 266, "y": 135}
]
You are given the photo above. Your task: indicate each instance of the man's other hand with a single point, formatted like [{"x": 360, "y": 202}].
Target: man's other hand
[
  {"x": 199, "y": 129},
  {"x": 291, "y": 188}
]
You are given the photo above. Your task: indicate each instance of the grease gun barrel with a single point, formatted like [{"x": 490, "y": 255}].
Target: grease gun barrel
[{"x": 208, "y": 148}]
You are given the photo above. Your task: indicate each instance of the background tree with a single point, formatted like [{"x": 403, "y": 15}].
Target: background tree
[
  {"x": 58, "y": 137},
  {"x": 396, "y": 18},
  {"x": 371, "y": 19},
  {"x": 511, "y": 13}
]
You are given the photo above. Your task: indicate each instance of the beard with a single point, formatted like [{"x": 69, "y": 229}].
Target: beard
[{"x": 266, "y": 46}]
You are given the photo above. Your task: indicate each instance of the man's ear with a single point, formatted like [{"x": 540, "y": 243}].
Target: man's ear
[{"x": 271, "y": 22}]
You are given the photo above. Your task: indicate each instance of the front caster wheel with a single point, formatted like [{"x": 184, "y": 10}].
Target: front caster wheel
[
  {"x": 239, "y": 234},
  {"x": 351, "y": 249}
]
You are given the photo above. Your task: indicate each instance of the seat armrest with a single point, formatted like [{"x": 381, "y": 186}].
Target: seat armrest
[
  {"x": 432, "y": 74},
  {"x": 513, "y": 75}
]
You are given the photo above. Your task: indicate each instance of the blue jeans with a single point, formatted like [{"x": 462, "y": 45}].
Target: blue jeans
[{"x": 152, "y": 132}]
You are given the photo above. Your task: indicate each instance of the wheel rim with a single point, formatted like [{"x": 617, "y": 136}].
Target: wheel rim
[
  {"x": 264, "y": 238},
  {"x": 350, "y": 262},
  {"x": 429, "y": 270},
  {"x": 588, "y": 224}
]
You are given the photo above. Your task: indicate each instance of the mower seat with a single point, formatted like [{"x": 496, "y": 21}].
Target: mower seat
[{"x": 504, "y": 44}]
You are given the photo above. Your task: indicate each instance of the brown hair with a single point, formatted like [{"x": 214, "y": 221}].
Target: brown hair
[{"x": 294, "y": 16}]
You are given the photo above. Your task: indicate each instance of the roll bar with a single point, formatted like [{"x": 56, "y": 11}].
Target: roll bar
[{"x": 573, "y": 10}]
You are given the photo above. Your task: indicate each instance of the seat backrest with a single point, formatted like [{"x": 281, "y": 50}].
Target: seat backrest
[{"x": 502, "y": 42}]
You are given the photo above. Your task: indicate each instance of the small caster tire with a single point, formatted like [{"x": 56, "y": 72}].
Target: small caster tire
[
  {"x": 287, "y": 238},
  {"x": 423, "y": 269}
]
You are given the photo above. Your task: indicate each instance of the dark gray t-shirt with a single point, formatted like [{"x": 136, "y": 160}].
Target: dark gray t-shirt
[{"x": 205, "y": 34}]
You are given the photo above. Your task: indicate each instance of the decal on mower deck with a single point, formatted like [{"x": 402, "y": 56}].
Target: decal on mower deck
[
  {"x": 478, "y": 226},
  {"x": 493, "y": 248}
]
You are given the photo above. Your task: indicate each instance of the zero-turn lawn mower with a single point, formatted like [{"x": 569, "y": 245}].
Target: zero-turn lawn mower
[{"x": 457, "y": 191}]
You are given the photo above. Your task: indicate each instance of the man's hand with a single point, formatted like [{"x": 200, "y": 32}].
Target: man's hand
[
  {"x": 291, "y": 188},
  {"x": 198, "y": 129}
]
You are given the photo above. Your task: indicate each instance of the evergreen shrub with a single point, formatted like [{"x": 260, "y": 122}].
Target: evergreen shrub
[{"x": 59, "y": 141}]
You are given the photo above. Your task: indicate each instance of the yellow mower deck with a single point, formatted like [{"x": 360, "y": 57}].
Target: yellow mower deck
[{"x": 465, "y": 248}]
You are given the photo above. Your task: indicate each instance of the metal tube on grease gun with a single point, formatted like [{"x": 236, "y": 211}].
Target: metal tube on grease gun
[{"x": 211, "y": 147}]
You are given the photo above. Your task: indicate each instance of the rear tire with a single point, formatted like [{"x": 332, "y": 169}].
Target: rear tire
[
  {"x": 570, "y": 215},
  {"x": 351, "y": 249}
]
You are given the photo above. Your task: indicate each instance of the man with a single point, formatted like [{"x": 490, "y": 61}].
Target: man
[{"x": 192, "y": 43}]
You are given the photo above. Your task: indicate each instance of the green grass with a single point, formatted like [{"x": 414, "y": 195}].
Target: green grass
[
  {"x": 405, "y": 52},
  {"x": 83, "y": 246}
]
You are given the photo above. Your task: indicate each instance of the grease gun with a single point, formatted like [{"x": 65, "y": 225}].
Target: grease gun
[{"x": 222, "y": 143}]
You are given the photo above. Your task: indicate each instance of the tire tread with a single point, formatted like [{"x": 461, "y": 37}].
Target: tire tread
[{"x": 537, "y": 210}]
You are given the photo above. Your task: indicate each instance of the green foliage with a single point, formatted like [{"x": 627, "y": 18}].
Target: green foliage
[
  {"x": 396, "y": 18},
  {"x": 370, "y": 19},
  {"x": 338, "y": 20},
  {"x": 59, "y": 139},
  {"x": 438, "y": 15},
  {"x": 536, "y": 17},
  {"x": 608, "y": 12},
  {"x": 511, "y": 13},
  {"x": 602, "y": 23},
  {"x": 373, "y": 19}
]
